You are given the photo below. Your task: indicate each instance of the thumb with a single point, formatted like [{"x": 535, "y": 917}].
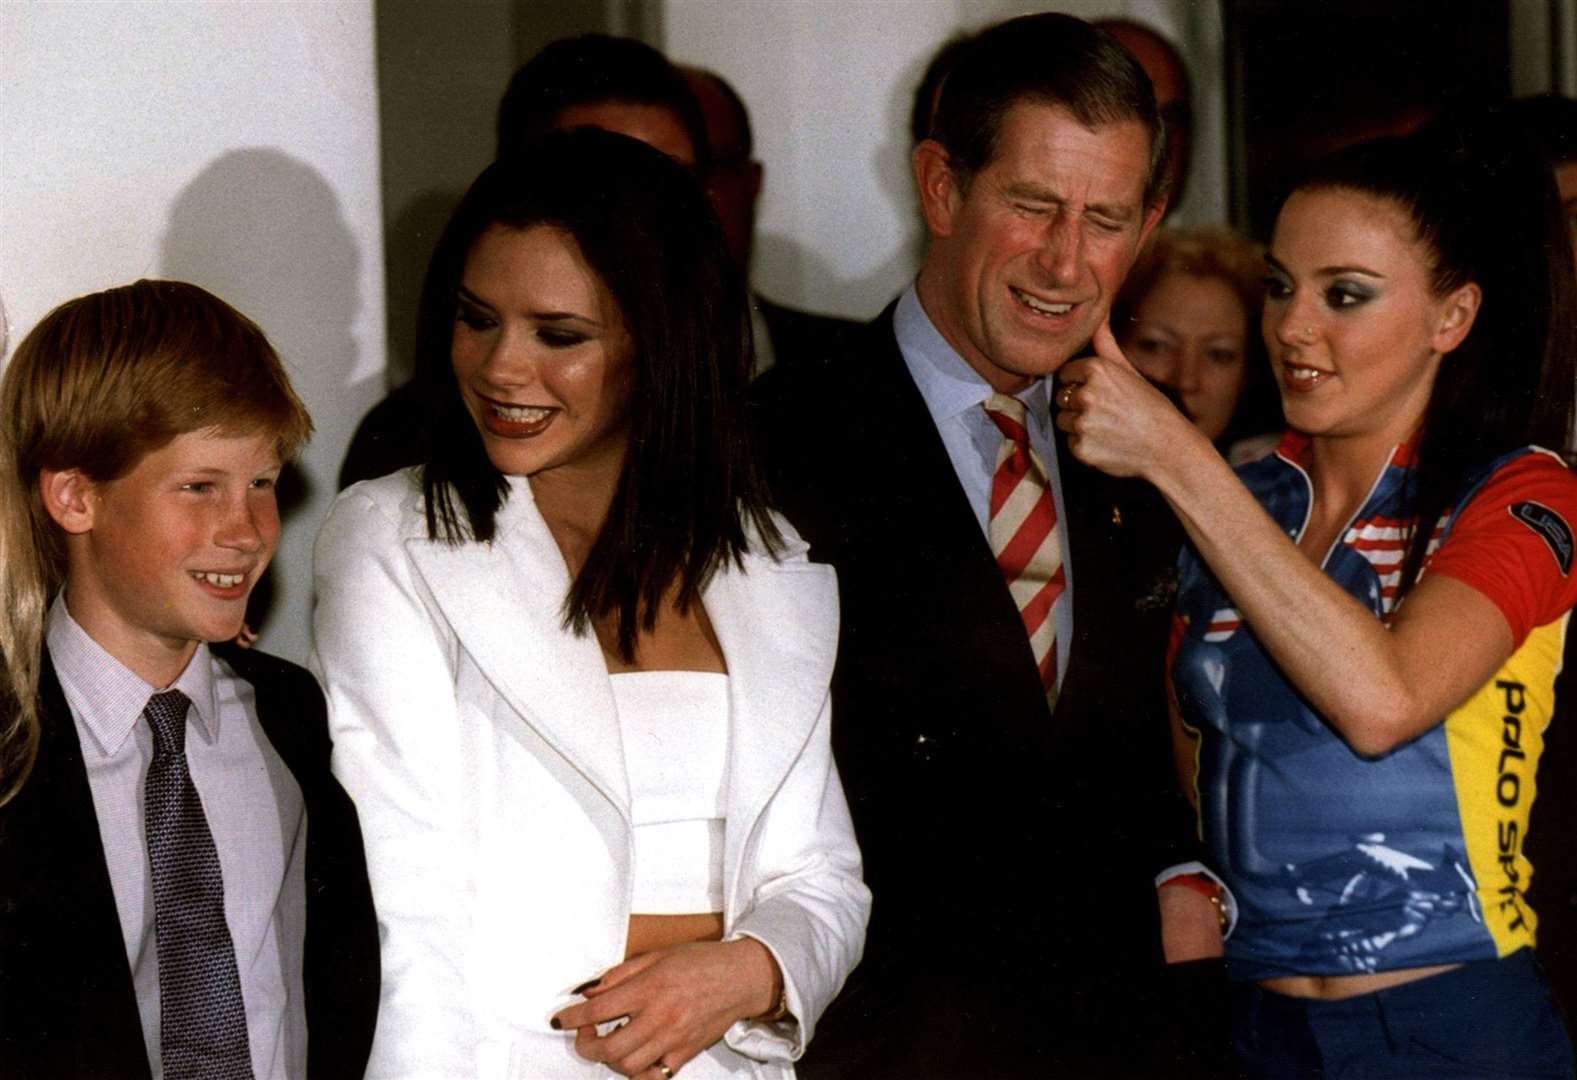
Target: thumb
[{"x": 1105, "y": 344}]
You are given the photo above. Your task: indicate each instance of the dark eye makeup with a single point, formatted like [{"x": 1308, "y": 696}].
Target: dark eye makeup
[
  {"x": 1347, "y": 294},
  {"x": 474, "y": 317},
  {"x": 555, "y": 338}
]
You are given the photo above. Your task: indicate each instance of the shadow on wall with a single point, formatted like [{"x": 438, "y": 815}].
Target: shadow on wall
[
  {"x": 792, "y": 273},
  {"x": 265, "y": 232},
  {"x": 893, "y": 164},
  {"x": 786, "y": 265}
]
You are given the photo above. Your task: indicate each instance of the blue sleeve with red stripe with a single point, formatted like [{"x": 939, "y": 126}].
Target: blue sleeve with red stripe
[{"x": 1513, "y": 542}]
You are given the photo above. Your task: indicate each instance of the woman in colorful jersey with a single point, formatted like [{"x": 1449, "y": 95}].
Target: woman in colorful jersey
[{"x": 1370, "y": 620}]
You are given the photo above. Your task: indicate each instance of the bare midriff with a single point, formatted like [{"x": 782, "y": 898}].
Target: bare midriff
[
  {"x": 1338, "y": 987},
  {"x": 651, "y": 932}
]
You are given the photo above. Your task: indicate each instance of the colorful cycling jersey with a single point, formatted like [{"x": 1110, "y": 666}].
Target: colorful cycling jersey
[{"x": 1342, "y": 863}]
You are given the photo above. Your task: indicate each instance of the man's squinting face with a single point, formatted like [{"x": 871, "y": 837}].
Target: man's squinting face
[
  {"x": 175, "y": 547},
  {"x": 1029, "y": 253}
]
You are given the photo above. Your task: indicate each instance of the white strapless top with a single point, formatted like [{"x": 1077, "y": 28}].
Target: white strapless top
[{"x": 675, "y": 729}]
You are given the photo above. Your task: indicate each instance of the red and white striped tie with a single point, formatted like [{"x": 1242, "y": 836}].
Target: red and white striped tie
[{"x": 1023, "y": 531}]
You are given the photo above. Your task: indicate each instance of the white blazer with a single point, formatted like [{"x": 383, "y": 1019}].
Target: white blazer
[{"x": 480, "y": 742}]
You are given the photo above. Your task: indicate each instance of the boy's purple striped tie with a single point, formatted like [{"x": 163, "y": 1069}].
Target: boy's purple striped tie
[{"x": 202, "y": 1017}]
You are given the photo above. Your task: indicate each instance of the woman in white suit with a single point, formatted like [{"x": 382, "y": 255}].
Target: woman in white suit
[{"x": 577, "y": 672}]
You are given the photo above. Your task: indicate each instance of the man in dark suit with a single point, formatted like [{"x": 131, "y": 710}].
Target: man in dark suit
[
  {"x": 68, "y": 1003},
  {"x": 1012, "y": 847}
]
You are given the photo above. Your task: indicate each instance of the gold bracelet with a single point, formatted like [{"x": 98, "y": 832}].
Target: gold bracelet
[
  {"x": 779, "y": 1011},
  {"x": 1221, "y": 912}
]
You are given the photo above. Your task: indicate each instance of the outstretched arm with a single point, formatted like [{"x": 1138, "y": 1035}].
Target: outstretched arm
[{"x": 1378, "y": 686}]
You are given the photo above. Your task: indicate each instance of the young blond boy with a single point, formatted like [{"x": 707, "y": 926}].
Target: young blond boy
[{"x": 182, "y": 885}]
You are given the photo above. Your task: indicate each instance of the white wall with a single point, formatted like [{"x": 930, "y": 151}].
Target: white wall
[
  {"x": 828, "y": 84},
  {"x": 231, "y": 144}
]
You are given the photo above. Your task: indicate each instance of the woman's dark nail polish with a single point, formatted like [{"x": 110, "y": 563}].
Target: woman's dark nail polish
[
  {"x": 554, "y": 1024},
  {"x": 587, "y": 985}
]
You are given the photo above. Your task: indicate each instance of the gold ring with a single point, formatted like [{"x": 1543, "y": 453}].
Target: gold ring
[
  {"x": 668, "y": 1074},
  {"x": 1065, "y": 396}
]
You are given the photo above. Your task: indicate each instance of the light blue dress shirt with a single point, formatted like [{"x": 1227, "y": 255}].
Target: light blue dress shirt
[{"x": 955, "y": 396}]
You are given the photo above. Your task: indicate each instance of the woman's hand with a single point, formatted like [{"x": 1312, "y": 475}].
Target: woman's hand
[
  {"x": 1115, "y": 419},
  {"x": 678, "y": 1000}
]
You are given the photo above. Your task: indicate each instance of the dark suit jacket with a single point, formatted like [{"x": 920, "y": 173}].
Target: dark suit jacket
[
  {"x": 391, "y": 436},
  {"x": 800, "y": 337},
  {"x": 1011, "y": 853},
  {"x": 67, "y": 1006}
]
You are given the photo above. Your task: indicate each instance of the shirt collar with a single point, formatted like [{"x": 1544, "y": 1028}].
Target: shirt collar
[
  {"x": 1296, "y": 447},
  {"x": 945, "y": 380},
  {"x": 107, "y": 696},
  {"x": 760, "y": 339}
]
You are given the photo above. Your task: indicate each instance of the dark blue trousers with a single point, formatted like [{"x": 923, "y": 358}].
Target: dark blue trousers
[{"x": 1485, "y": 1020}]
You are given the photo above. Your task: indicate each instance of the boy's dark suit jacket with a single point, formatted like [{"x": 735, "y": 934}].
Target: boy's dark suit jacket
[
  {"x": 67, "y": 1007},
  {"x": 1011, "y": 852}
]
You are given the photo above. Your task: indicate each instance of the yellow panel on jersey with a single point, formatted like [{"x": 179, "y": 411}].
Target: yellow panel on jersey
[{"x": 1495, "y": 739}]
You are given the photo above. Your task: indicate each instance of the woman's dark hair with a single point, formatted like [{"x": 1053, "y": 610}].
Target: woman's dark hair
[
  {"x": 1550, "y": 120},
  {"x": 1484, "y": 206},
  {"x": 689, "y": 492}
]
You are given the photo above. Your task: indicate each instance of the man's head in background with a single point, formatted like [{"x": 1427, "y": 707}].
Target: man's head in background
[
  {"x": 1550, "y": 120},
  {"x": 928, "y": 91},
  {"x": 596, "y": 80},
  {"x": 733, "y": 175},
  {"x": 1173, "y": 95}
]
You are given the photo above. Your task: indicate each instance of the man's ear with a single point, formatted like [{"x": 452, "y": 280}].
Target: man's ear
[
  {"x": 941, "y": 190},
  {"x": 70, "y": 498},
  {"x": 1457, "y": 313},
  {"x": 1152, "y": 217}
]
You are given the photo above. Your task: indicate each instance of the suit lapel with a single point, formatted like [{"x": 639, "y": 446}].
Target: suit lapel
[
  {"x": 945, "y": 538},
  {"x": 777, "y": 625},
  {"x": 1122, "y": 541},
  {"x": 922, "y": 498},
  {"x": 1088, "y": 549},
  {"x": 67, "y": 980},
  {"x": 503, "y": 601},
  {"x": 921, "y": 473},
  {"x": 289, "y": 733},
  {"x": 340, "y": 973}
]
